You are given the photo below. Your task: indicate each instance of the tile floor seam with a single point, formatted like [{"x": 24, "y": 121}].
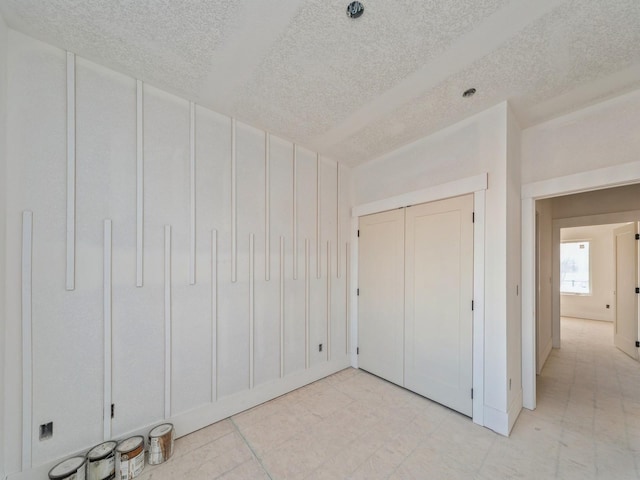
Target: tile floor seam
[
  {"x": 424, "y": 440},
  {"x": 486, "y": 455},
  {"x": 250, "y": 447}
]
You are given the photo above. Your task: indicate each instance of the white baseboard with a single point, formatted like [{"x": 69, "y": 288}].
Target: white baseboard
[
  {"x": 188, "y": 422},
  {"x": 496, "y": 420},
  {"x": 502, "y": 422}
]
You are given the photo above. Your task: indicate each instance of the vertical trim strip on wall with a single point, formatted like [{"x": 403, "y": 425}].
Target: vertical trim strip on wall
[
  {"x": 338, "y": 225},
  {"x": 107, "y": 322},
  {"x": 295, "y": 212},
  {"x": 307, "y": 309},
  {"x": 27, "y": 345},
  {"x": 347, "y": 256},
  {"x": 214, "y": 315},
  {"x": 234, "y": 206},
  {"x": 71, "y": 171},
  {"x": 318, "y": 215},
  {"x": 192, "y": 193},
  {"x": 139, "y": 182},
  {"x": 267, "y": 206},
  {"x": 328, "y": 300},
  {"x": 167, "y": 321},
  {"x": 251, "y": 308},
  {"x": 282, "y": 306}
]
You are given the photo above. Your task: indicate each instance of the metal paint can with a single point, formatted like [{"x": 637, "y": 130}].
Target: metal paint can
[
  {"x": 73, "y": 468},
  {"x": 101, "y": 461},
  {"x": 161, "y": 443},
  {"x": 130, "y": 458}
]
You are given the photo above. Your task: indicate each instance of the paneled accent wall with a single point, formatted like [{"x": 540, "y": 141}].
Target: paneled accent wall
[{"x": 166, "y": 259}]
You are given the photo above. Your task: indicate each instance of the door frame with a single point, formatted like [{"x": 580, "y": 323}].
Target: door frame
[
  {"x": 476, "y": 185},
  {"x": 625, "y": 174}
]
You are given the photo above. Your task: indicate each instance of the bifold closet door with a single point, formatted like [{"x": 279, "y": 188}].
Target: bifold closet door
[
  {"x": 438, "y": 295},
  {"x": 381, "y": 295}
]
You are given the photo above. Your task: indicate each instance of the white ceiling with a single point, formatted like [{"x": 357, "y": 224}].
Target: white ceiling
[{"x": 355, "y": 89}]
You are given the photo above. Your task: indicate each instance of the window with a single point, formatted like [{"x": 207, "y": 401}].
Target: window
[{"x": 574, "y": 268}]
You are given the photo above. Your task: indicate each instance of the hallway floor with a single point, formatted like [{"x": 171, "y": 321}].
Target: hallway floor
[{"x": 353, "y": 425}]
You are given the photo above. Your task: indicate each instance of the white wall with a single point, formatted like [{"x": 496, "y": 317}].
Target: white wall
[
  {"x": 475, "y": 146},
  {"x": 592, "y": 148},
  {"x": 601, "y": 246},
  {"x": 601, "y": 135},
  {"x": 3, "y": 186},
  {"x": 209, "y": 338}
]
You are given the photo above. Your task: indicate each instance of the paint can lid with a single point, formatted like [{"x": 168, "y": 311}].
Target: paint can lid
[
  {"x": 160, "y": 430},
  {"x": 130, "y": 444},
  {"x": 66, "y": 467},
  {"x": 101, "y": 451}
]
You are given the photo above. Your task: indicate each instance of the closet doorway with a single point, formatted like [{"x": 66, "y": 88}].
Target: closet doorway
[{"x": 415, "y": 299}]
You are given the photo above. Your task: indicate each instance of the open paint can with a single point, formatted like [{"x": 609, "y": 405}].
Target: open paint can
[
  {"x": 161, "y": 444},
  {"x": 130, "y": 458},
  {"x": 101, "y": 461},
  {"x": 73, "y": 468}
]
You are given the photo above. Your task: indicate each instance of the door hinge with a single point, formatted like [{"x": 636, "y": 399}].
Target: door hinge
[
  {"x": 638, "y": 344},
  {"x": 357, "y": 350},
  {"x": 472, "y": 394},
  {"x": 471, "y": 304},
  {"x": 358, "y": 233},
  {"x": 358, "y": 292},
  {"x": 113, "y": 410},
  {"x": 637, "y": 290},
  {"x": 637, "y": 236},
  {"x": 473, "y": 217}
]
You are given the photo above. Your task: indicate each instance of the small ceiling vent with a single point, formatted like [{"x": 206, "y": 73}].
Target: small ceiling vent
[{"x": 355, "y": 9}]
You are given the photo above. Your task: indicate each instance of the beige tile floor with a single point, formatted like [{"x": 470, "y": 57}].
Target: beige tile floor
[{"x": 353, "y": 425}]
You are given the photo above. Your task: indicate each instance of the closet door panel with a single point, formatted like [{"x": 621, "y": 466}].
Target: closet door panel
[
  {"x": 438, "y": 295},
  {"x": 381, "y": 299}
]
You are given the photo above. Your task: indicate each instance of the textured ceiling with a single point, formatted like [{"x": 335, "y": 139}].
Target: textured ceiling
[{"x": 355, "y": 89}]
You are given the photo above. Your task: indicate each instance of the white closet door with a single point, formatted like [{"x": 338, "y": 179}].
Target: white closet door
[
  {"x": 381, "y": 299},
  {"x": 626, "y": 322},
  {"x": 438, "y": 295}
]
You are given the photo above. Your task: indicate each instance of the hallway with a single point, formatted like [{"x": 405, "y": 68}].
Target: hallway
[{"x": 589, "y": 391}]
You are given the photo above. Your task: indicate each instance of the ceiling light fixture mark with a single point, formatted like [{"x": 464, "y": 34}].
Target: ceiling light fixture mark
[
  {"x": 355, "y": 9},
  {"x": 469, "y": 93}
]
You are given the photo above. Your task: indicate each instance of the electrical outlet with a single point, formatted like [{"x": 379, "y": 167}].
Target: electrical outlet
[
  {"x": 320, "y": 347},
  {"x": 46, "y": 431}
]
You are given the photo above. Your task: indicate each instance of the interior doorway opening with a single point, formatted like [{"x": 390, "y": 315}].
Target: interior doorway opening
[
  {"x": 601, "y": 196},
  {"x": 594, "y": 261}
]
